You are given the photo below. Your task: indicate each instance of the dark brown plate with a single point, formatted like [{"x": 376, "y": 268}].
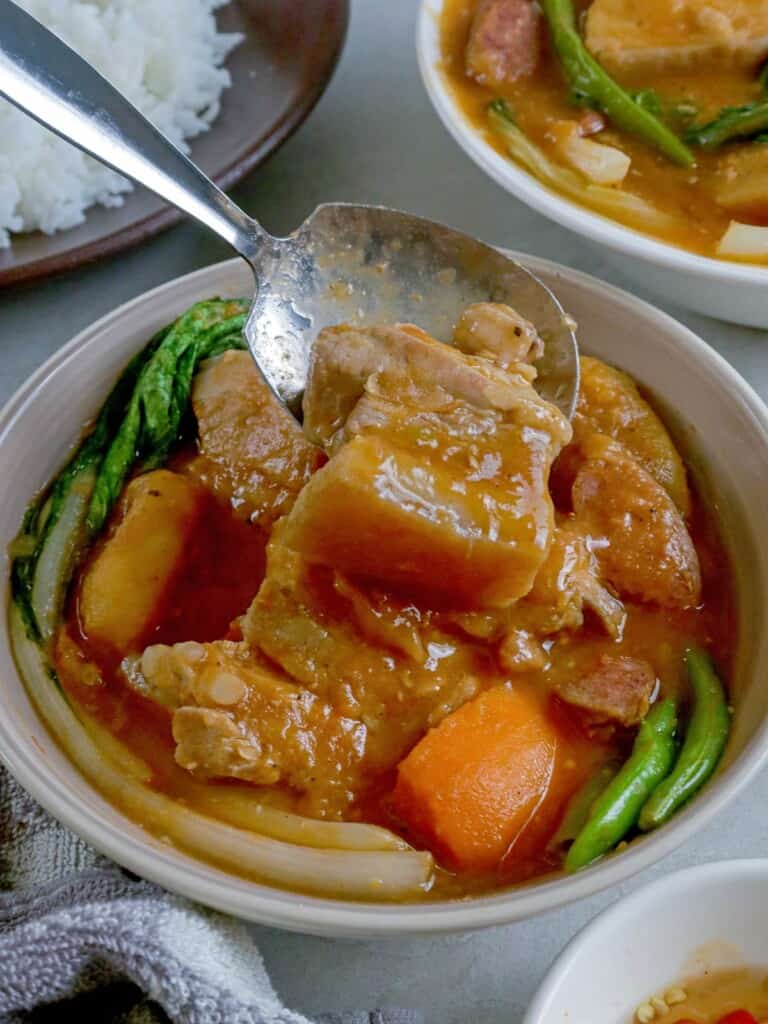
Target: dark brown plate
[{"x": 279, "y": 71}]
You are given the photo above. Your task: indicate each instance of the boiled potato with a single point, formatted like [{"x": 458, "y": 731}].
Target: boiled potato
[{"x": 124, "y": 584}]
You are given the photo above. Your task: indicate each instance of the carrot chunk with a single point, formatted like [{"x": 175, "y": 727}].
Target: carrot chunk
[{"x": 470, "y": 786}]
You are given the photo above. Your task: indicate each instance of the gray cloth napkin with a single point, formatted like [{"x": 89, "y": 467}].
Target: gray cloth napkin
[{"x": 81, "y": 939}]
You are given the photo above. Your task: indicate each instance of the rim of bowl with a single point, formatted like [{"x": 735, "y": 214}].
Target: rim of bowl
[
  {"x": 199, "y": 881},
  {"x": 712, "y": 873},
  {"x": 526, "y": 187}
]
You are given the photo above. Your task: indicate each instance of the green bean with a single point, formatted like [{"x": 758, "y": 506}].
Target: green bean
[
  {"x": 730, "y": 123},
  {"x": 594, "y": 86},
  {"x": 581, "y": 803},
  {"x": 705, "y": 740},
  {"x": 616, "y": 810}
]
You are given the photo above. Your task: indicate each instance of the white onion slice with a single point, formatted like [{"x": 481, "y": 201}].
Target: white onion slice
[
  {"x": 744, "y": 240},
  {"x": 237, "y": 806},
  {"x": 600, "y": 164},
  {"x": 613, "y": 202},
  {"x": 59, "y": 551},
  {"x": 351, "y": 874}
]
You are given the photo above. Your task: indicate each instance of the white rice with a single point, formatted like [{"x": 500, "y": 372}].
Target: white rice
[{"x": 166, "y": 56}]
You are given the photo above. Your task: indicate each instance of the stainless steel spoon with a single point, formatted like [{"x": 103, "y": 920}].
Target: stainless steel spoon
[{"x": 345, "y": 264}]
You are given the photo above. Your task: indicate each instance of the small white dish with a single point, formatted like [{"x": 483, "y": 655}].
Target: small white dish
[
  {"x": 737, "y": 292},
  {"x": 721, "y": 423},
  {"x": 707, "y": 918}
]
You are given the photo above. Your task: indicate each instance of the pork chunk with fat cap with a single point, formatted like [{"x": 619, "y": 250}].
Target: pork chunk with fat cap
[
  {"x": 253, "y": 453},
  {"x": 439, "y": 470},
  {"x": 637, "y": 533},
  {"x": 234, "y": 717},
  {"x": 505, "y": 41},
  {"x": 671, "y": 35},
  {"x": 407, "y": 361},
  {"x": 382, "y": 514},
  {"x": 568, "y": 582},
  {"x": 375, "y": 659}
]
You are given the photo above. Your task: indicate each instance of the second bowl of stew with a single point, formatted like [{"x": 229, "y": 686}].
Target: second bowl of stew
[
  {"x": 640, "y": 126},
  {"x": 434, "y": 658}
]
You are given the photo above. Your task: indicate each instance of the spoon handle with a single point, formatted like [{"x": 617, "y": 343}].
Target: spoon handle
[{"x": 44, "y": 77}]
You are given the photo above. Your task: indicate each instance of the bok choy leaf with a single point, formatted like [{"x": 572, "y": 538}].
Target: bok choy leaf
[{"x": 141, "y": 420}]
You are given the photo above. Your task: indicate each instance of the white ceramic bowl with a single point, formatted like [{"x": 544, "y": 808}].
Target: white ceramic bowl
[
  {"x": 720, "y": 419},
  {"x": 729, "y": 291},
  {"x": 706, "y": 918}
]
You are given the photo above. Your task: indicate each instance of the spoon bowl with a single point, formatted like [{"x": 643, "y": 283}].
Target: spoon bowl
[
  {"x": 370, "y": 264},
  {"x": 345, "y": 264}
]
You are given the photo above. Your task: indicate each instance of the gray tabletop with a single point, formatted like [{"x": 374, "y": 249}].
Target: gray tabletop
[{"x": 374, "y": 138}]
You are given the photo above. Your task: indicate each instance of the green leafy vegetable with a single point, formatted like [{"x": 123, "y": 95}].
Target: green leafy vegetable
[
  {"x": 682, "y": 113},
  {"x": 743, "y": 122},
  {"x": 593, "y": 86},
  {"x": 649, "y": 100},
  {"x": 141, "y": 420},
  {"x": 615, "y": 202},
  {"x": 749, "y": 121},
  {"x": 677, "y": 115},
  {"x": 154, "y": 415},
  {"x": 45, "y": 518}
]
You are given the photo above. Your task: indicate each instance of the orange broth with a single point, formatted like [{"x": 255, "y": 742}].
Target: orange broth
[{"x": 221, "y": 572}]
